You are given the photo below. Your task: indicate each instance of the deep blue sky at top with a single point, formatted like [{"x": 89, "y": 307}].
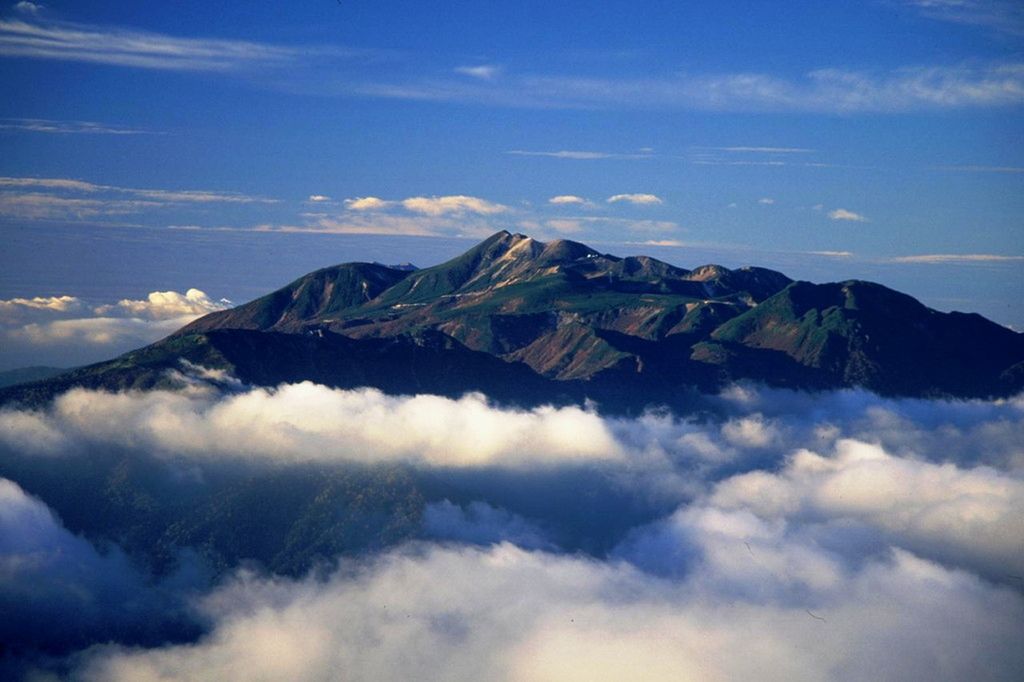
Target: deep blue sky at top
[{"x": 879, "y": 129}]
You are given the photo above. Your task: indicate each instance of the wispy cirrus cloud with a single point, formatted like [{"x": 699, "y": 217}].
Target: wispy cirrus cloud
[
  {"x": 67, "y": 41},
  {"x": 762, "y": 150},
  {"x": 168, "y": 195},
  {"x": 68, "y": 198},
  {"x": 35, "y": 37},
  {"x": 482, "y": 71},
  {"x": 832, "y": 254},
  {"x": 453, "y": 218},
  {"x": 42, "y": 125},
  {"x": 43, "y": 206},
  {"x": 131, "y": 47},
  {"x": 377, "y": 222},
  {"x": 580, "y": 224},
  {"x": 1011, "y": 170},
  {"x": 827, "y": 90},
  {"x": 1003, "y": 16},
  {"x": 749, "y": 155},
  {"x": 773, "y": 163},
  {"x": 581, "y": 155},
  {"x": 957, "y": 258}
]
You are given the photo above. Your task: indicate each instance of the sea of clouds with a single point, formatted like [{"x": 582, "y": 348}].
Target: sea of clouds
[{"x": 803, "y": 536}]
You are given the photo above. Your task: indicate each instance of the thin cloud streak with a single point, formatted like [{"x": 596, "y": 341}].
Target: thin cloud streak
[
  {"x": 133, "y": 48},
  {"x": 484, "y": 71},
  {"x": 167, "y": 195},
  {"x": 832, "y": 254},
  {"x": 1002, "y": 16},
  {"x": 832, "y": 90},
  {"x": 829, "y": 90},
  {"x": 577, "y": 224},
  {"x": 128, "y": 47},
  {"x": 580, "y": 155},
  {"x": 42, "y": 125},
  {"x": 946, "y": 258},
  {"x": 763, "y": 150},
  {"x": 41, "y": 206},
  {"x": 1013, "y": 170}
]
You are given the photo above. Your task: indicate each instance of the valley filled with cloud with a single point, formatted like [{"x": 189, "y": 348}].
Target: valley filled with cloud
[{"x": 774, "y": 534}]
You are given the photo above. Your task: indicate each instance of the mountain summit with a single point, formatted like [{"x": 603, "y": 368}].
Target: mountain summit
[{"x": 529, "y": 321}]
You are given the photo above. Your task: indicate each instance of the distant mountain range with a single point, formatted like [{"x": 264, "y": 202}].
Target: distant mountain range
[{"x": 528, "y": 322}]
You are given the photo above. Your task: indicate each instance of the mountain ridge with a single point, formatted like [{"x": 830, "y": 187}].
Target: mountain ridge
[{"x": 514, "y": 315}]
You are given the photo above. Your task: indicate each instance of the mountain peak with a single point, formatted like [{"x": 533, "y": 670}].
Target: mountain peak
[{"x": 565, "y": 250}]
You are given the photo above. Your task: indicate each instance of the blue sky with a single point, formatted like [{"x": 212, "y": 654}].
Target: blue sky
[{"x": 863, "y": 132}]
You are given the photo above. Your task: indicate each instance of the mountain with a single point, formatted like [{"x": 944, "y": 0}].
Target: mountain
[{"x": 528, "y": 322}]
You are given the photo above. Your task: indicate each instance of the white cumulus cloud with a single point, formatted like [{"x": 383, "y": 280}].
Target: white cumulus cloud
[
  {"x": 567, "y": 199},
  {"x": 435, "y": 206},
  {"x": 160, "y": 305},
  {"x": 61, "y": 304},
  {"x": 65, "y": 330},
  {"x": 843, "y": 214},
  {"x": 458, "y": 203},
  {"x": 366, "y": 204}
]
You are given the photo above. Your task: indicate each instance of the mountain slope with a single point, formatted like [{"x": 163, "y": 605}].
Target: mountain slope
[
  {"x": 317, "y": 295},
  {"x": 529, "y": 322},
  {"x": 860, "y": 333}
]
